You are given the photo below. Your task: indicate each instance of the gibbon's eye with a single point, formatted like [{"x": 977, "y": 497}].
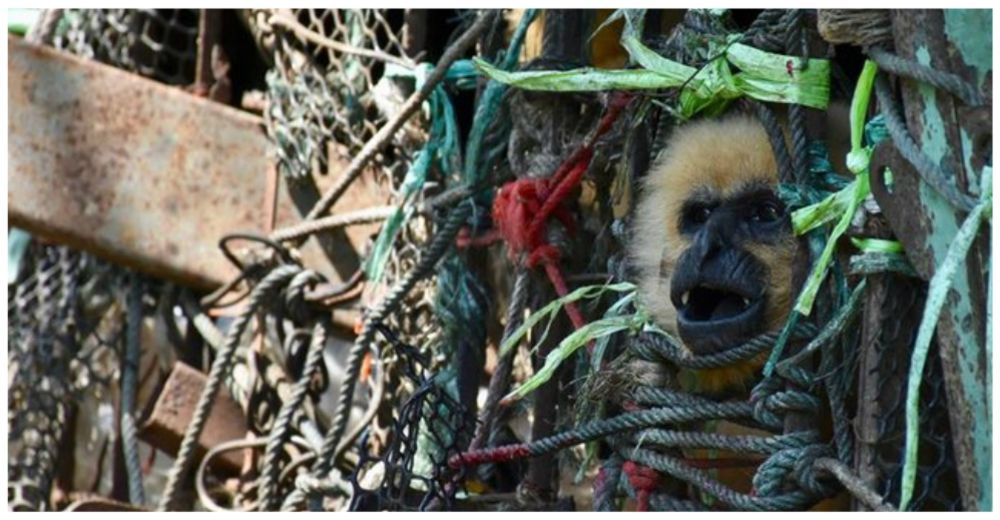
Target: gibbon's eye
[
  {"x": 698, "y": 214},
  {"x": 768, "y": 211}
]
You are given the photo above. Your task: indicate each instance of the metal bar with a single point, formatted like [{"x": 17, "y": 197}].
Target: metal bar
[
  {"x": 142, "y": 174},
  {"x": 129, "y": 169}
]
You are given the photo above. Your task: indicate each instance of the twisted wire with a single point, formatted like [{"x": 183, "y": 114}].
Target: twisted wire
[
  {"x": 283, "y": 422},
  {"x": 264, "y": 291},
  {"x": 942, "y": 80},
  {"x": 933, "y": 174},
  {"x": 130, "y": 383}
]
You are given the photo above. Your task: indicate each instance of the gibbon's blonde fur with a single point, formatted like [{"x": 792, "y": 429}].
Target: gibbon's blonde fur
[{"x": 722, "y": 156}]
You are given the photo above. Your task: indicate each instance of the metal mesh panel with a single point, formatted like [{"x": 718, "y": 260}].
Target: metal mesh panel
[
  {"x": 157, "y": 43},
  {"x": 328, "y": 86},
  {"x": 42, "y": 341},
  {"x": 936, "y": 486},
  {"x": 430, "y": 425}
]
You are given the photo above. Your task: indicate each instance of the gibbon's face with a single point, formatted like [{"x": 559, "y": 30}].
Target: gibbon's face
[{"x": 712, "y": 242}]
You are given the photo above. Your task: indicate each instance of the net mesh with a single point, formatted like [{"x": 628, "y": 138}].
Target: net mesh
[{"x": 156, "y": 43}]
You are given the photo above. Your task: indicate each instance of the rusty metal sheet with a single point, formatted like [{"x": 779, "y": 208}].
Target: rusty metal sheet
[
  {"x": 168, "y": 420},
  {"x": 144, "y": 174},
  {"x": 956, "y": 41},
  {"x": 119, "y": 165}
]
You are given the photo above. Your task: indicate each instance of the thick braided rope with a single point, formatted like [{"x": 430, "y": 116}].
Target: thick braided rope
[
  {"x": 676, "y": 468},
  {"x": 598, "y": 429},
  {"x": 796, "y": 44},
  {"x": 264, "y": 291},
  {"x": 130, "y": 383},
  {"x": 653, "y": 346},
  {"x": 933, "y": 174},
  {"x": 442, "y": 241},
  {"x": 501, "y": 376},
  {"x": 741, "y": 443},
  {"x": 786, "y": 171},
  {"x": 946, "y": 81},
  {"x": 282, "y": 424}
]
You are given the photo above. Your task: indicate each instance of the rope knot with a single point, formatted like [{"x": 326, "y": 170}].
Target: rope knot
[{"x": 643, "y": 479}]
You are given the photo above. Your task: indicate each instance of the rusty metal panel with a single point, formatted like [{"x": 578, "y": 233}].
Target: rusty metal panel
[
  {"x": 956, "y": 41},
  {"x": 165, "y": 426},
  {"x": 118, "y": 165}
]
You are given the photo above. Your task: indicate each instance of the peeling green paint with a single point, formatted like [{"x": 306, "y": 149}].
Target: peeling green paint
[
  {"x": 968, "y": 29},
  {"x": 973, "y": 38}
]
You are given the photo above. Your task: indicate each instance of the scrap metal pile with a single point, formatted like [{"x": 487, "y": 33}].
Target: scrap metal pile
[{"x": 449, "y": 321}]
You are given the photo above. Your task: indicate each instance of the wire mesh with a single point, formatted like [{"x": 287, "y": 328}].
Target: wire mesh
[
  {"x": 328, "y": 92},
  {"x": 936, "y": 485},
  {"x": 156, "y": 43},
  {"x": 430, "y": 426}
]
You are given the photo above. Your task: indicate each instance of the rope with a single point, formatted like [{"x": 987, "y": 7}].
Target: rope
[
  {"x": 852, "y": 483},
  {"x": 440, "y": 244},
  {"x": 931, "y": 173},
  {"x": 44, "y": 30},
  {"x": 653, "y": 346},
  {"x": 775, "y": 135},
  {"x": 282, "y": 424},
  {"x": 796, "y": 43},
  {"x": 500, "y": 379},
  {"x": 310, "y": 227},
  {"x": 130, "y": 383},
  {"x": 794, "y": 500},
  {"x": 264, "y": 291},
  {"x": 946, "y": 81},
  {"x": 606, "y": 483},
  {"x": 410, "y": 107},
  {"x": 523, "y": 208},
  {"x": 601, "y": 428}
]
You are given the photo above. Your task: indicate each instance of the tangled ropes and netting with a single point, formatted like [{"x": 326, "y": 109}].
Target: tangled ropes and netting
[{"x": 393, "y": 415}]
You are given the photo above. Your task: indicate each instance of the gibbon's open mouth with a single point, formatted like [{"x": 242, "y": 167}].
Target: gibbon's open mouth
[{"x": 713, "y": 317}]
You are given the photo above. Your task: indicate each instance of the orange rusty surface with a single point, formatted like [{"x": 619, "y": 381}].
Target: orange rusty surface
[
  {"x": 147, "y": 175},
  {"x": 166, "y": 423},
  {"x": 119, "y": 165}
]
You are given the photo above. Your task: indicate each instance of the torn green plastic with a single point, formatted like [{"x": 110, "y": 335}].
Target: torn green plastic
[
  {"x": 877, "y": 245},
  {"x": 760, "y": 75},
  {"x": 855, "y": 193},
  {"x": 937, "y": 291}
]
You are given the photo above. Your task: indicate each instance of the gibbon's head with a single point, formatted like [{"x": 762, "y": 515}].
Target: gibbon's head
[{"x": 712, "y": 242}]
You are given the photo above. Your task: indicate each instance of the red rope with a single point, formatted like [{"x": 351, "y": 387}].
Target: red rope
[
  {"x": 643, "y": 480},
  {"x": 523, "y": 208}
]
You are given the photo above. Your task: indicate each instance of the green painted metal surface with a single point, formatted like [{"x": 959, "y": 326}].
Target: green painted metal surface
[{"x": 958, "y": 41}]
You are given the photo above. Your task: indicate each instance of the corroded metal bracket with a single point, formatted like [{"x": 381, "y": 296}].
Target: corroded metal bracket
[{"x": 957, "y": 136}]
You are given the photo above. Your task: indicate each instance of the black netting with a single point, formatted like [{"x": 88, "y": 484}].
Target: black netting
[
  {"x": 936, "y": 487},
  {"x": 412, "y": 472}
]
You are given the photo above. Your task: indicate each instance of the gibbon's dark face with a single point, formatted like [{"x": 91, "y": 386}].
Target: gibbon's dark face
[
  {"x": 719, "y": 288},
  {"x": 712, "y": 242}
]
